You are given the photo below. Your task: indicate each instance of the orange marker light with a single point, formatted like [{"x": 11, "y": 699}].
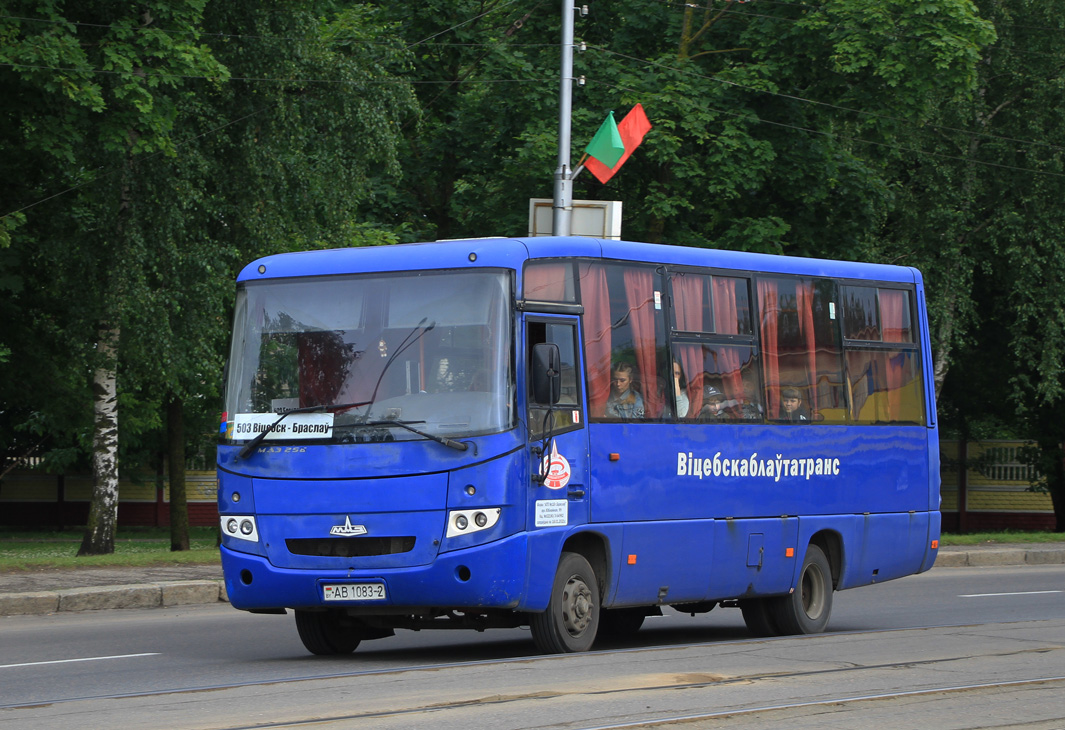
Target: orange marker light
[
  {"x": 789, "y": 552},
  {"x": 615, "y": 457},
  {"x": 935, "y": 544},
  {"x": 632, "y": 560}
]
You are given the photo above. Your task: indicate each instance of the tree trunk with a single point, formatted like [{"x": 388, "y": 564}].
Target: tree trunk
[
  {"x": 1055, "y": 456},
  {"x": 175, "y": 441},
  {"x": 103, "y": 510}
]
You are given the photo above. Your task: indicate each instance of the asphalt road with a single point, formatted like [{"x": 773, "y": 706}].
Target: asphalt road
[{"x": 957, "y": 648}]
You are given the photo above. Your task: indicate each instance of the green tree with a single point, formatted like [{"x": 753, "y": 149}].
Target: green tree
[
  {"x": 224, "y": 165},
  {"x": 98, "y": 94},
  {"x": 979, "y": 212}
]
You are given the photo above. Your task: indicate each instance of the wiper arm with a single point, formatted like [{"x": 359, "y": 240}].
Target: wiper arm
[
  {"x": 250, "y": 446},
  {"x": 450, "y": 443},
  {"x": 419, "y": 330}
]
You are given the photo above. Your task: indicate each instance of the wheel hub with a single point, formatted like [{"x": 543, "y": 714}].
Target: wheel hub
[{"x": 576, "y": 606}]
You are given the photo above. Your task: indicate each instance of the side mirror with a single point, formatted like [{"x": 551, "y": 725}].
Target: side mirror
[{"x": 546, "y": 374}]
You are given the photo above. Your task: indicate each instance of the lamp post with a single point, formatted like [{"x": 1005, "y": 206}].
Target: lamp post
[{"x": 562, "y": 208}]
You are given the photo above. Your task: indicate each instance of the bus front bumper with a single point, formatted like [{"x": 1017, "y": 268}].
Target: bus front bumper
[{"x": 488, "y": 576}]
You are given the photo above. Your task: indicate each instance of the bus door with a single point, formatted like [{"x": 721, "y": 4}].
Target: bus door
[{"x": 558, "y": 440}]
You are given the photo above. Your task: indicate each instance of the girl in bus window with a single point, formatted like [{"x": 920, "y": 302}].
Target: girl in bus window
[{"x": 624, "y": 401}]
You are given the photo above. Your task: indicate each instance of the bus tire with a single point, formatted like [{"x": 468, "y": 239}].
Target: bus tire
[
  {"x": 806, "y": 609},
  {"x": 758, "y": 615},
  {"x": 571, "y": 620},
  {"x": 322, "y": 633}
]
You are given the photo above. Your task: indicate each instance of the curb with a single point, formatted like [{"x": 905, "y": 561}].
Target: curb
[
  {"x": 140, "y": 595},
  {"x": 989, "y": 557}
]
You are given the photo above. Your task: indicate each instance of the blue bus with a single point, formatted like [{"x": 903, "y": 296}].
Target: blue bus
[{"x": 569, "y": 434}]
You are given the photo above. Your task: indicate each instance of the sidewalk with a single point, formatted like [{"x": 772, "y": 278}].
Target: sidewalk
[
  {"x": 85, "y": 589},
  {"x": 82, "y": 589}
]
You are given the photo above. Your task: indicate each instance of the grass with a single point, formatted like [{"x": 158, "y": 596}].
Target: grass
[
  {"x": 25, "y": 550},
  {"x": 998, "y": 538}
]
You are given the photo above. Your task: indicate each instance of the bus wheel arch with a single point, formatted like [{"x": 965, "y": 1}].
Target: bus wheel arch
[
  {"x": 831, "y": 544},
  {"x": 593, "y": 547}
]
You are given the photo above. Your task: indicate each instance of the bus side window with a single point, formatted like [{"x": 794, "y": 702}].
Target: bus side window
[
  {"x": 802, "y": 349},
  {"x": 882, "y": 367},
  {"x": 567, "y": 413},
  {"x": 624, "y": 326}
]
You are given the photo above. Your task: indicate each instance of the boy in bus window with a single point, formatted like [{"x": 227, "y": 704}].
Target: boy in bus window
[
  {"x": 713, "y": 405},
  {"x": 624, "y": 401},
  {"x": 791, "y": 407}
]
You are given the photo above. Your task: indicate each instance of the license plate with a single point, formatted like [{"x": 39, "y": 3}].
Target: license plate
[{"x": 355, "y": 592}]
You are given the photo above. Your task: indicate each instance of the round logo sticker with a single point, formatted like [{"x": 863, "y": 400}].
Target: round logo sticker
[{"x": 556, "y": 468}]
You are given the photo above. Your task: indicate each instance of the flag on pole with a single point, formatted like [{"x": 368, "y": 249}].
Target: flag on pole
[
  {"x": 606, "y": 146},
  {"x": 631, "y": 130}
]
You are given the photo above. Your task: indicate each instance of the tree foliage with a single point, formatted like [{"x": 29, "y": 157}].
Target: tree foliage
[
  {"x": 159, "y": 157},
  {"x": 153, "y": 152}
]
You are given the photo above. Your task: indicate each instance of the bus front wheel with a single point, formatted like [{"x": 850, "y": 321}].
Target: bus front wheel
[
  {"x": 807, "y": 608},
  {"x": 572, "y": 617},
  {"x": 323, "y": 633}
]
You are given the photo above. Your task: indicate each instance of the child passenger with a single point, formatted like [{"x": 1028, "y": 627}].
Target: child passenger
[
  {"x": 624, "y": 401},
  {"x": 791, "y": 407}
]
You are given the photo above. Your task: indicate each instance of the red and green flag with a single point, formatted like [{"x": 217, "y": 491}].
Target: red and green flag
[{"x": 615, "y": 142}]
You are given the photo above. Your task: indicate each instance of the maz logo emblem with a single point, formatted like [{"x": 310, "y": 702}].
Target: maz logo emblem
[{"x": 347, "y": 529}]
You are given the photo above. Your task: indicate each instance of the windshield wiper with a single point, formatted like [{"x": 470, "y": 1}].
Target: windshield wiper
[
  {"x": 250, "y": 446},
  {"x": 419, "y": 330},
  {"x": 450, "y": 443}
]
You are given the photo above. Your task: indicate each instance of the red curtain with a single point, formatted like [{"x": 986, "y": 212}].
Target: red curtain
[
  {"x": 725, "y": 321},
  {"x": 323, "y": 361},
  {"x": 770, "y": 311},
  {"x": 639, "y": 293},
  {"x": 804, "y": 301},
  {"x": 689, "y": 301},
  {"x": 546, "y": 282},
  {"x": 597, "y": 341},
  {"x": 892, "y": 311}
]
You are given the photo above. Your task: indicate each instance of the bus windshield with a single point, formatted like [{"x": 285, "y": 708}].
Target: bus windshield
[{"x": 385, "y": 357}]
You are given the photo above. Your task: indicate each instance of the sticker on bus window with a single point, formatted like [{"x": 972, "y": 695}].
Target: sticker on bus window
[
  {"x": 555, "y": 469},
  {"x": 552, "y": 512},
  {"x": 295, "y": 426}
]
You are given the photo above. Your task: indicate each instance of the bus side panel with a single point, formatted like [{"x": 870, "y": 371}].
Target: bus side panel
[
  {"x": 700, "y": 471},
  {"x": 881, "y": 547},
  {"x": 750, "y": 557},
  {"x": 665, "y": 562},
  {"x": 934, "y": 527}
]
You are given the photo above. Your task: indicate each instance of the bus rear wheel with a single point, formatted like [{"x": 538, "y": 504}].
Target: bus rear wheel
[
  {"x": 807, "y": 609},
  {"x": 323, "y": 633},
  {"x": 571, "y": 620}
]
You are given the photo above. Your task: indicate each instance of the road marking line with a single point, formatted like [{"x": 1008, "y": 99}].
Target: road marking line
[
  {"x": 86, "y": 659},
  {"x": 1024, "y": 593}
]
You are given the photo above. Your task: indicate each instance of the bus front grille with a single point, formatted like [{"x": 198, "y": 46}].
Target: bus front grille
[{"x": 350, "y": 547}]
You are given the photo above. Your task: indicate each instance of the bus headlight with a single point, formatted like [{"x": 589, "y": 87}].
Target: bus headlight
[
  {"x": 467, "y": 521},
  {"x": 241, "y": 527}
]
